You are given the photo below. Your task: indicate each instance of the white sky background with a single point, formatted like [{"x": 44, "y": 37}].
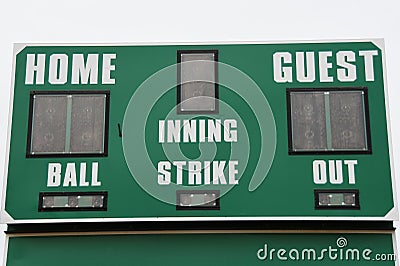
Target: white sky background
[{"x": 80, "y": 21}]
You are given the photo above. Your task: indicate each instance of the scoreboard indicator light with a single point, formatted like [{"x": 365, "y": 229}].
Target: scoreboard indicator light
[
  {"x": 197, "y": 199},
  {"x": 72, "y": 201},
  {"x": 337, "y": 199}
]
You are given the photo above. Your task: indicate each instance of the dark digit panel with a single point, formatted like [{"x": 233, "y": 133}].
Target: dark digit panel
[
  {"x": 347, "y": 120},
  {"x": 308, "y": 121},
  {"x": 49, "y": 124},
  {"x": 198, "y": 77},
  {"x": 87, "y": 123}
]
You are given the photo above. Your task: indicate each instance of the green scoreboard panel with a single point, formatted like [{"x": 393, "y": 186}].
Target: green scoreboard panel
[
  {"x": 204, "y": 249},
  {"x": 259, "y": 131}
]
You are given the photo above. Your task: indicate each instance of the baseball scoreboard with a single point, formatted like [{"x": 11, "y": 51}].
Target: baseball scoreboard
[{"x": 199, "y": 132}]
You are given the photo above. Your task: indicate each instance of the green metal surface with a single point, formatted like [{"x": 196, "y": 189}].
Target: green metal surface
[
  {"x": 286, "y": 189},
  {"x": 203, "y": 249}
]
